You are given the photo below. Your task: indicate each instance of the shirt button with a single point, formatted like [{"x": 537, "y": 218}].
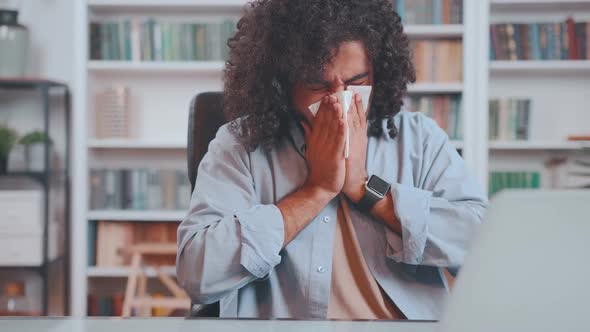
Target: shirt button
[
  {"x": 321, "y": 269},
  {"x": 326, "y": 219}
]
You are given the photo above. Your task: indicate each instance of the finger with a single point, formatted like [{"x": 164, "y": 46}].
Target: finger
[
  {"x": 362, "y": 113},
  {"x": 341, "y": 137},
  {"x": 353, "y": 118},
  {"x": 323, "y": 120},
  {"x": 334, "y": 124}
]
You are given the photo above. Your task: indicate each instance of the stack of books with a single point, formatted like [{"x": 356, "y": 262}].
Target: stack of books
[
  {"x": 139, "y": 189},
  {"x": 105, "y": 305},
  {"x": 513, "y": 180},
  {"x": 108, "y": 241},
  {"x": 159, "y": 40},
  {"x": 438, "y": 60},
  {"x": 445, "y": 110},
  {"x": 429, "y": 11},
  {"x": 509, "y": 119},
  {"x": 540, "y": 41}
]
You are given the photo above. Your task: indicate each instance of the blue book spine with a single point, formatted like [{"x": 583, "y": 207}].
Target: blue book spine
[
  {"x": 550, "y": 41},
  {"x": 534, "y": 41},
  {"x": 437, "y": 11},
  {"x": 517, "y": 42}
]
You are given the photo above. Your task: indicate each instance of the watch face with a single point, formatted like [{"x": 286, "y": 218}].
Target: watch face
[{"x": 378, "y": 185}]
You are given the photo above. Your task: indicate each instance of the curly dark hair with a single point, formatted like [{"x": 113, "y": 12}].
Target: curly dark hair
[{"x": 281, "y": 42}]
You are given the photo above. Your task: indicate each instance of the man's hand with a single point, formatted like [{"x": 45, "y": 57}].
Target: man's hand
[
  {"x": 356, "y": 173},
  {"x": 325, "y": 141}
]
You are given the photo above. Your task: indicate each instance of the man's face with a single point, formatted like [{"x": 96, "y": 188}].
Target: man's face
[{"x": 350, "y": 66}]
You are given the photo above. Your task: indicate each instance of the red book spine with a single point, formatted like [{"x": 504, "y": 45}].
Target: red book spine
[{"x": 571, "y": 36}]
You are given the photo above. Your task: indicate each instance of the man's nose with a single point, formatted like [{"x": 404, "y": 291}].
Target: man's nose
[{"x": 338, "y": 87}]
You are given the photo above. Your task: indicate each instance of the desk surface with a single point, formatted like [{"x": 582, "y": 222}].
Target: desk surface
[{"x": 216, "y": 325}]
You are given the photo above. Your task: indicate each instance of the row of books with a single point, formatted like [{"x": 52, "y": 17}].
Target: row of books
[
  {"x": 540, "y": 41},
  {"x": 445, "y": 110},
  {"x": 430, "y": 11},
  {"x": 513, "y": 180},
  {"x": 509, "y": 119},
  {"x": 108, "y": 241},
  {"x": 159, "y": 40},
  {"x": 105, "y": 305},
  {"x": 438, "y": 60},
  {"x": 139, "y": 189}
]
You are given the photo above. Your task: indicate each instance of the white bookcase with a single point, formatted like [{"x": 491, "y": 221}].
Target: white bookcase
[
  {"x": 162, "y": 92},
  {"x": 558, "y": 90}
]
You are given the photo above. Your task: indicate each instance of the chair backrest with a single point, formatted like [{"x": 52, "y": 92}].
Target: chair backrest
[{"x": 205, "y": 118}]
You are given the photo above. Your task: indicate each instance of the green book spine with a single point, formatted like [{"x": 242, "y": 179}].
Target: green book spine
[
  {"x": 193, "y": 42},
  {"x": 536, "y": 180},
  {"x": 104, "y": 42}
]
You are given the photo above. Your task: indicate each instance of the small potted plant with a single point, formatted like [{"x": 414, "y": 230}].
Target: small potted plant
[
  {"x": 34, "y": 144},
  {"x": 8, "y": 138}
]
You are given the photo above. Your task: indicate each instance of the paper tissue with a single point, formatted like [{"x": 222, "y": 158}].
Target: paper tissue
[{"x": 345, "y": 100}]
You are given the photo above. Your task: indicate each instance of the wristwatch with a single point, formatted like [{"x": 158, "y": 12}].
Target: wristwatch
[{"x": 376, "y": 189}]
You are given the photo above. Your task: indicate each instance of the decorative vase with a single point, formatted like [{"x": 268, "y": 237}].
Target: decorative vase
[
  {"x": 35, "y": 157},
  {"x": 14, "y": 44}
]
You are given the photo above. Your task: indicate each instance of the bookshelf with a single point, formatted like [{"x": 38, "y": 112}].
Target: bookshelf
[
  {"x": 155, "y": 67},
  {"x": 131, "y": 215},
  {"x": 554, "y": 67},
  {"x": 162, "y": 92},
  {"x": 556, "y": 89},
  {"x": 122, "y": 272},
  {"x": 135, "y": 144}
]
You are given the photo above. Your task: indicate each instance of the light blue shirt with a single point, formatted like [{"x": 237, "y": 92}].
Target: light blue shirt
[{"x": 230, "y": 244}]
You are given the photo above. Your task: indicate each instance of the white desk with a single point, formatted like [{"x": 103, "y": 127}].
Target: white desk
[{"x": 215, "y": 325}]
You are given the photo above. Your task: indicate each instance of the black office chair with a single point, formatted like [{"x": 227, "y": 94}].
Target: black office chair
[{"x": 205, "y": 118}]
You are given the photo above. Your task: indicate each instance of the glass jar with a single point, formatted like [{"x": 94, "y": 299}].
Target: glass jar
[{"x": 14, "y": 44}]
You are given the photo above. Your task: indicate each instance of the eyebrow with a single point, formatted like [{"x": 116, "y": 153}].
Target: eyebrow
[{"x": 348, "y": 81}]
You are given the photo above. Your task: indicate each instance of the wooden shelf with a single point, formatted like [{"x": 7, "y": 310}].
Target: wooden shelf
[
  {"x": 180, "y": 5},
  {"x": 537, "y": 145},
  {"x": 131, "y": 215},
  {"x": 541, "y": 66},
  {"x": 134, "y": 144},
  {"x": 156, "y": 67},
  {"x": 434, "y": 30},
  {"x": 123, "y": 272},
  {"x": 539, "y": 4},
  {"x": 453, "y": 87}
]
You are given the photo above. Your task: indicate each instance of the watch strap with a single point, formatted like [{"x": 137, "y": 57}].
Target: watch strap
[{"x": 369, "y": 199}]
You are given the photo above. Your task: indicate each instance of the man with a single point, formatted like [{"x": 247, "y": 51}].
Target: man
[{"x": 281, "y": 224}]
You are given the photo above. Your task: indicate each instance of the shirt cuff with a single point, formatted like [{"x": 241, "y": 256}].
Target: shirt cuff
[
  {"x": 262, "y": 234},
  {"x": 412, "y": 208}
]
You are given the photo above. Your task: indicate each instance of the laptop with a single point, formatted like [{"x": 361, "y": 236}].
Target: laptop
[{"x": 529, "y": 269}]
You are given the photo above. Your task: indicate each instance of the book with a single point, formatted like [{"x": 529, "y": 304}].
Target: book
[
  {"x": 155, "y": 39},
  {"x": 500, "y": 180},
  {"x": 438, "y": 61},
  {"x": 509, "y": 119},
  {"x": 445, "y": 110},
  {"x": 539, "y": 41}
]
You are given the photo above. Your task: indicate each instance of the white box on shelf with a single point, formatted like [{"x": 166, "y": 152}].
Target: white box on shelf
[
  {"x": 21, "y": 249},
  {"x": 21, "y": 211}
]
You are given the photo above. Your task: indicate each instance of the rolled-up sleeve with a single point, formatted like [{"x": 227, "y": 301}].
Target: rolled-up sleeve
[
  {"x": 228, "y": 238},
  {"x": 440, "y": 214}
]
